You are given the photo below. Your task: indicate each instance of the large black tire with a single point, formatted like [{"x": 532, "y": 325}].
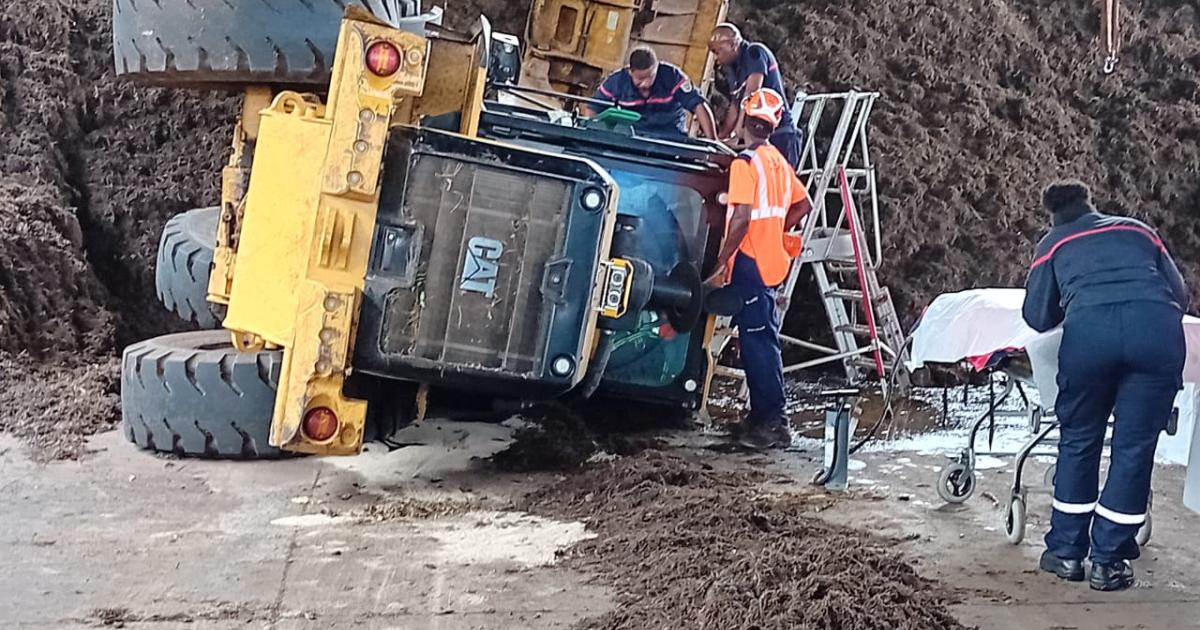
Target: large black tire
[
  {"x": 225, "y": 43},
  {"x": 185, "y": 258},
  {"x": 193, "y": 394}
]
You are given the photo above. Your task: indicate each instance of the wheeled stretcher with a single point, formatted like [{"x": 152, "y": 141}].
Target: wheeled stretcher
[{"x": 985, "y": 327}]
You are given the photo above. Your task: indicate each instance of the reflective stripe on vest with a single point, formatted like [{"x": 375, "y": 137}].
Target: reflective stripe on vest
[
  {"x": 765, "y": 210},
  {"x": 765, "y": 235}
]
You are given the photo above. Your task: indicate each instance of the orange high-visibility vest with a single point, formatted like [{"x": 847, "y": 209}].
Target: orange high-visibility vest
[{"x": 762, "y": 179}]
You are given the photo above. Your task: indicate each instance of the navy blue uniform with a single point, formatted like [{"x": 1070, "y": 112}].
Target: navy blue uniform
[
  {"x": 758, "y": 336},
  {"x": 663, "y": 110},
  {"x": 758, "y": 59},
  {"x": 1118, "y": 294}
]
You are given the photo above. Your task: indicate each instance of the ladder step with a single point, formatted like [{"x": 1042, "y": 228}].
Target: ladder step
[
  {"x": 859, "y": 330},
  {"x": 857, "y": 296},
  {"x": 844, "y": 294},
  {"x": 847, "y": 265},
  {"x": 865, "y": 363},
  {"x": 840, "y": 266}
]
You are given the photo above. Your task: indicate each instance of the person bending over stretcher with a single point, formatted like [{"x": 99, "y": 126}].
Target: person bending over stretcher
[{"x": 1120, "y": 299}]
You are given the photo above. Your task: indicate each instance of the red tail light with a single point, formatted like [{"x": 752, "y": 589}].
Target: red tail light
[
  {"x": 383, "y": 59},
  {"x": 320, "y": 424}
]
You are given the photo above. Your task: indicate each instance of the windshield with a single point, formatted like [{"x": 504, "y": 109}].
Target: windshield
[{"x": 672, "y": 231}]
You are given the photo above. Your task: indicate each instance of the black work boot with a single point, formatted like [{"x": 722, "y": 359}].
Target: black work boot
[
  {"x": 1066, "y": 569},
  {"x": 782, "y": 435},
  {"x": 763, "y": 437},
  {"x": 1111, "y": 576}
]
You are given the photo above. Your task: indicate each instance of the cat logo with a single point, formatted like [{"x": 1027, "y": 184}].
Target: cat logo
[{"x": 480, "y": 266}]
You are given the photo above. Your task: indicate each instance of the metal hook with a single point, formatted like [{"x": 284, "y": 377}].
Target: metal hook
[{"x": 1110, "y": 64}]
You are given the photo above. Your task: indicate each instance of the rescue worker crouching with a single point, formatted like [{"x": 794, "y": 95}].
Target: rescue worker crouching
[
  {"x": 746, "y": 68},
  {"x": 766, "y": 200},
  {"x": 1120, "y": 299},
  {"x": 660, "y": 92}
]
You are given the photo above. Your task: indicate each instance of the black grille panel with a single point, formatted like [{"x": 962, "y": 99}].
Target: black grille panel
[
  {"x": 483, "y": 265},
  {"x": 488, "y": 236}
]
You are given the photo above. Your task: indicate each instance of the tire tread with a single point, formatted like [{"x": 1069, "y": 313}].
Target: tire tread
[{"x": 193, "y": 394}]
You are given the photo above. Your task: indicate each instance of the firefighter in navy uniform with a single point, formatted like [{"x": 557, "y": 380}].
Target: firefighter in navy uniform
[
  {"x": 766, "y": 200},
  {"x": 660, "y": 92},
  {"x": 1120, "y": 299},
  {"x": 746, "y": 68}
]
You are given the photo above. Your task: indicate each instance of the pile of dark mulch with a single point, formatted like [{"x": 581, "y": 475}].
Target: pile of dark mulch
[
  {"x": 90, "y": 169},
  {"x": 557, "y": 437},
  {"x": 689, "y": 546},
  {"x": 55, "y": 407}
]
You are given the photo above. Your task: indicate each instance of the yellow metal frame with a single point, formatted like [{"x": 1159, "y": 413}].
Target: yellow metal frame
[
  {"x": 305, "y": 214},
  {"x": 235, "y": 178},
  {"x": 602, "y": 33},
  {"x": 309, "y": 218}
]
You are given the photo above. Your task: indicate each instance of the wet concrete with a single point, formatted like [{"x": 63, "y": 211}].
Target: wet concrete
[{"x": 965, "y": 546}]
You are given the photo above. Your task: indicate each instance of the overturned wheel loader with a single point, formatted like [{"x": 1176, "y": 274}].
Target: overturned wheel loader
[{"x": 400, "y": 233}]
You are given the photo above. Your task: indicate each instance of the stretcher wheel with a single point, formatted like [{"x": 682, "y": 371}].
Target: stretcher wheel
[
  {"x": 1014, "y": 521},
  {"x": 1035, "y": 420},
  {"x": 1048, "y": 477},
  {"x": 957, "y": 483},
  {"x": 1143, "y": 535},
  {"x": 1147, "y": 529}
]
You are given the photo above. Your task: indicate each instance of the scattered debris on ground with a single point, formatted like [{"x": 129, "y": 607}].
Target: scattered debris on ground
[
  {"x": 552, "y": 437},
  {"x": 690, "y": 546},
  {"x": 118, "y": 617},
  {"x": 56, "y": 407},
  {"x": 413, "y": 508},
  {"x": 556, "y": 437}
]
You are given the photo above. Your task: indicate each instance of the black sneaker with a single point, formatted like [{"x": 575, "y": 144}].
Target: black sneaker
[
  {"x": 1111, "y": 576},
  {"x": 1069, "y": 570}
]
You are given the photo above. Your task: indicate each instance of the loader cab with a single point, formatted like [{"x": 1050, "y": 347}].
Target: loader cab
[{"x": 675, "y": 189}]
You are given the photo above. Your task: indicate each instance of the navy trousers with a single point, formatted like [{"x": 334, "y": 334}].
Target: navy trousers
[
  {"x": 758, "y": 334},
  {"x": 1124, "y": 360}
]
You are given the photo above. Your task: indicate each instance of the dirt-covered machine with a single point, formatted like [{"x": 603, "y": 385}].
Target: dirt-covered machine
[{"x": 386, "y": 231}]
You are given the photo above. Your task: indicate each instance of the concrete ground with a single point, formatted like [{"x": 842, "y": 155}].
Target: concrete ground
[
  {"x": 965, "y": 546},
  {"x": 132, "y": 540}
]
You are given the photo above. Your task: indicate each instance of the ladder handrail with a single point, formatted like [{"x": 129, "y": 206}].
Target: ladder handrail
[
  {"x": 851, "y": 130},
  {"x": 860, "y": 265},
  {"x": 838, "y": 168}
]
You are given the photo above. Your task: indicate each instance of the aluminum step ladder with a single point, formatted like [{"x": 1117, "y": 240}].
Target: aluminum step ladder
[
  {"x": 861, "y": 313},
  {"x": 842, "y": 244}
]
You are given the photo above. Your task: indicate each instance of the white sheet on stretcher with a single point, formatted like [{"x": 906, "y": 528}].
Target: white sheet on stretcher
[
  {"x": 974, "y": 323},
  {"x": 982, "y": 321}
]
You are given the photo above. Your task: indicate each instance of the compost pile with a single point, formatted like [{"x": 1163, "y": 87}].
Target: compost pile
[
  {"x": 983, "y": 102},
  {"x": 689, "y": 546},
  {"x": 90, "y": 169}
]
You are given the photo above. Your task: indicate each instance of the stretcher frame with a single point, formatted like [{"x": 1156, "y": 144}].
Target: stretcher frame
[{"x": 957, "y": 482}]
